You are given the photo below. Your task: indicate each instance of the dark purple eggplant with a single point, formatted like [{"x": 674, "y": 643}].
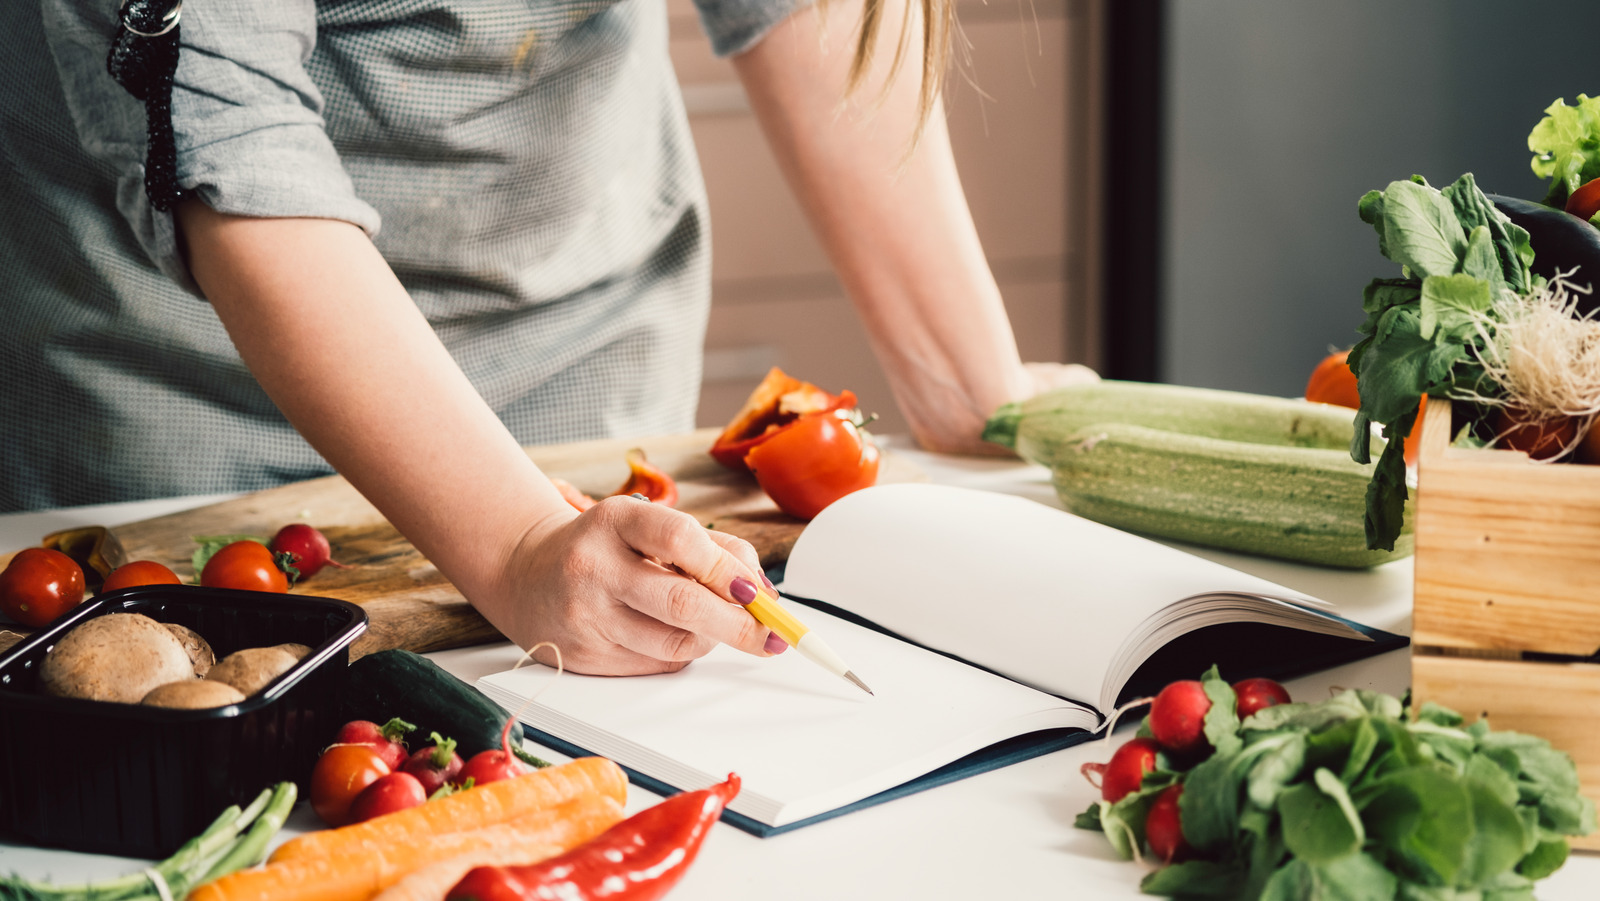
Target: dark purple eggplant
[{"x": 1561, "y": 242}]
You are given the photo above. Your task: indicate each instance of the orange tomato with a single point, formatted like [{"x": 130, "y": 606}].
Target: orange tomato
[
  {"x": 340, "y": 774},
  {"x": 1332, "y": 382}
]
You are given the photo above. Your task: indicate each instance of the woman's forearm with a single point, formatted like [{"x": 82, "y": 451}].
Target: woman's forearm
[
  {"x": 896, "y": 226},
  {"x": 333, "y": 337}
]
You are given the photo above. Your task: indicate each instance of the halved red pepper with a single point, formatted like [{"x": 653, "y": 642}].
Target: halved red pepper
[
  {"x": 571, "y": 494},
  {"x": 648, "y": 480},
  {"x": 778, "y": 401}
]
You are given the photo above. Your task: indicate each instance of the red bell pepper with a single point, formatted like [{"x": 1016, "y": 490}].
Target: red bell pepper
[
  {"x": 648, "y": 480},
  {"x": 777, "y": 402},
  {"x": 639, "y": 859}
]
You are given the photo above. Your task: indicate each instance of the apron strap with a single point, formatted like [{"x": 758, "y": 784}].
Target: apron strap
[{"x": 143, "y": 58}]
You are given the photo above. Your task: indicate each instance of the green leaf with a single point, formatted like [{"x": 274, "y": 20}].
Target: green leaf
[
  {"x": 1276, "y": 769},
  {"x": 1421, "y": 231},
  {"x": 1090, "y": 818},
  {"x": 1317, "y": 826},
  {"x": 1384, "y": 519},
  {"x": 1443, "y": 716},
  {"x": 1433, "y": 847},
  {"x": 1565, "y": 144},
  {"x": 1497, "y": 837},
  {"x": 1221, "y": 723},
  {"x": 1194, "y": 879},
  {"x": 1383, "y": 293},
  {"x": 1354, "y": 877},
  {"x": 1545, "y": 858},
  {"x": 1123, "y": 822},
  {"x": 1209, "y": 805},
  {"x": 1453, "y": 300}
]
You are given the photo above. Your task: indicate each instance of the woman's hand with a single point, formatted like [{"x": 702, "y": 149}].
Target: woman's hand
[
  {"x": 626, "y": 588},
  {"x": 952, "y": 422}
]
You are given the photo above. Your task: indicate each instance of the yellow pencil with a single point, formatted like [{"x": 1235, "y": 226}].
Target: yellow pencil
[{"x": 765, "y": 607}]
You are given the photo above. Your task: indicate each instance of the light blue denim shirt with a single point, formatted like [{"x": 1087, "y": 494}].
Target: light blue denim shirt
[{"x": 525, "y": 167}]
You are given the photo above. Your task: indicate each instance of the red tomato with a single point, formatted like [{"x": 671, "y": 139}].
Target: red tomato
[
  {"x": 244, "y": 564},
  {"x": 387, "y": 794},
  {"x": 818, "y": 459},
  {"x": 341, "y": 773},
  {"x": 140, "y": 572},
  {"x": 39, "y": 585},
  {"x": 1585, "y": 201}
]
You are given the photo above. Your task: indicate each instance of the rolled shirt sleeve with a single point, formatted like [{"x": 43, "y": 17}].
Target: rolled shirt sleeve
[
  {"x": 247, "y": 119},
  {"x": 735, "y": 26}
]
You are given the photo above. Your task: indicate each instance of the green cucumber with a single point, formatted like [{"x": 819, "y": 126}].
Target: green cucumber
[
  {"x": 399, "y": 683},
  {"x": 1036, "y": 427},
  {"x": 1296, "y": 503}
]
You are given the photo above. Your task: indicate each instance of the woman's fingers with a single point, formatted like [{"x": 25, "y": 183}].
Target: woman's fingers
[
  {"x": 676, "y": 539},
  {"x": 682, "y": 605}
]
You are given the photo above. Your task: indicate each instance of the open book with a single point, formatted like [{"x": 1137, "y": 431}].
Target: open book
[{"x": 991, "y": 628}]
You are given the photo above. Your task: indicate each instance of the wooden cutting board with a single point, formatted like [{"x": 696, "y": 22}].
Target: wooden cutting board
[{"x": 410, "y": 604}]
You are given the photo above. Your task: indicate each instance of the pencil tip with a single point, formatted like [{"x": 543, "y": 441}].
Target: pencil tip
[{"x": 858, "y": 683}]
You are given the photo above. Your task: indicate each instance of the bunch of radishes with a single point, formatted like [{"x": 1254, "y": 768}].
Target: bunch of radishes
[{"x": 1173, "y": 739}]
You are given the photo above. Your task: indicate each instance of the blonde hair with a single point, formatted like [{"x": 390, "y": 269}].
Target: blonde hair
[{"x": 938, "y": 24}]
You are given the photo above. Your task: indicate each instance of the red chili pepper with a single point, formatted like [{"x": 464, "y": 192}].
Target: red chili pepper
[{"x": 639, "y": 859}]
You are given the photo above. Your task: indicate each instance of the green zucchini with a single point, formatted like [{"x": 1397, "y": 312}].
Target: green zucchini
[
  {"x": 1296, "y": 503},
  {"x": 1036, "y": 427},
  {"x": 399, "y": 683}
]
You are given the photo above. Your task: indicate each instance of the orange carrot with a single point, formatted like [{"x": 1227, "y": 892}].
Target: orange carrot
[
  {"x": 359, "y": 873},
  {"x": 484, "y": 805}
]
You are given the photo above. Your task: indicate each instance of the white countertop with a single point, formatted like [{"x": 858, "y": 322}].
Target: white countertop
[{"x": 1006, "y": 833}]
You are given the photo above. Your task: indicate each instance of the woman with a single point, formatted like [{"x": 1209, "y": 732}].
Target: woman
[{"x": 430, "y": 231}]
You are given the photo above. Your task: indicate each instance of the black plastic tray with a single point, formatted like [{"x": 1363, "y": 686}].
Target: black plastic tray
[{"x": 138, "y": 781}]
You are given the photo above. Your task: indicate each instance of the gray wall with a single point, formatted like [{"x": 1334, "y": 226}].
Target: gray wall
[{"x": 1282, "y": 113}]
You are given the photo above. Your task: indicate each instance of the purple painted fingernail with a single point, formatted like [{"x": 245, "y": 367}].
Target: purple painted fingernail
[
  {"x": 776, "y": 645},
  {"x": 744, "y": 591},
  {"x": 768, "y": 582}
]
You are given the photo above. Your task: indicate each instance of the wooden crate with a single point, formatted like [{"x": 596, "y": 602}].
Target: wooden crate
[{"x": 1508, "y": 563}]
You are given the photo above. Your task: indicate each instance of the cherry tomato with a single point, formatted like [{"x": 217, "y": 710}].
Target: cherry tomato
[
  {"x": 813, "y": 462},
  {"x": 387, "y": 794},
  {"x": 339, "y": 776},
  {"x": 1585, "y": 201},
  {"x": 244, "y": 564},
  {"x": 140, "y": 572},
  {"x": 39, "y": 585}
]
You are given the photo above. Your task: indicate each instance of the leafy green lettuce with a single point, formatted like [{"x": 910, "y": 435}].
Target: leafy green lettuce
[
  {"x": 1458, "y": 256},
  {"x": 1566, "y": 146}
]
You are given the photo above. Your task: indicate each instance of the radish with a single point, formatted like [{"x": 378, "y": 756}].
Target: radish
[
  {"x": 1178, "y": 715},
  {"x": 492, "y": 766},
  {"x": 1258, "y": 694},
  {"x": 1126, "y": 770},
  {"x": 434, "y": 765},
  {"x": 388, "y": 739},
  {"x": 308, "y": 548},
  {"x": 1163, "y": 827}
]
